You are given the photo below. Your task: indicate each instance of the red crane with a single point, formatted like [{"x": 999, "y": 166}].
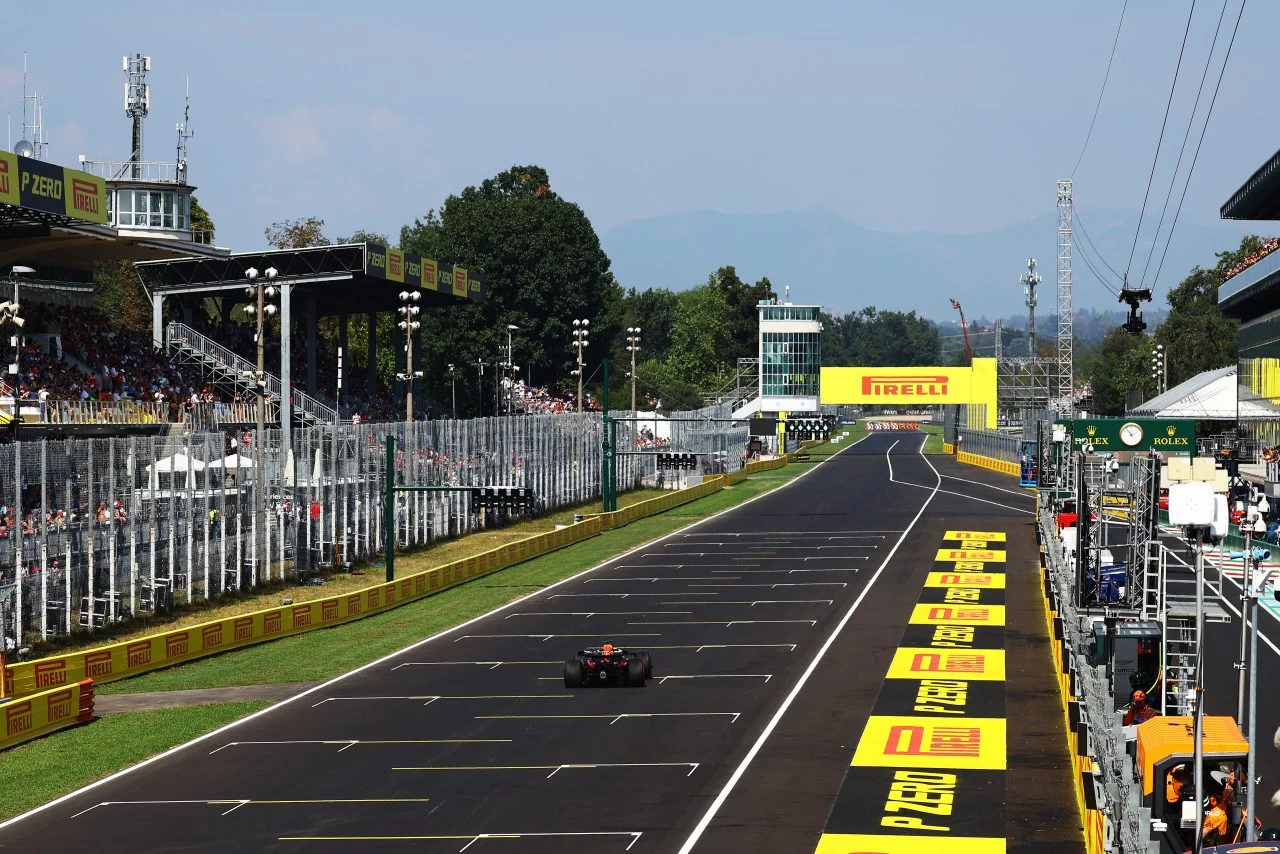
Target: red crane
[{"x": 968, "y": 351}]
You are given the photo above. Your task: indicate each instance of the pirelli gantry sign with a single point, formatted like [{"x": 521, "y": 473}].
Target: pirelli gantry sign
[
  {"x": 913, "y": 385},
  {"x": 51, "y": 189},
  {"x": 419, "y": 272}
]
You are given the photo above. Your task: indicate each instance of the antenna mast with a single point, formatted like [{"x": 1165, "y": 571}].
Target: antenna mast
[
  {"x": 137, "y": 103},
  {"x": 39, "y": 142},
  {"x": 1066, "y": 379},
  {"x": 184, "y": 134},
  {"x": 1029, "y": 281}
]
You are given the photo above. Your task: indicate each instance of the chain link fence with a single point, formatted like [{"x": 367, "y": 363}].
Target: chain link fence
[{"x": 93, "y": 531}]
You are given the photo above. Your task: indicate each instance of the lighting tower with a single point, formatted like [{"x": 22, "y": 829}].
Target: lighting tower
[
  {"x": 633, "y": 347},
  {"x": 409, "y": 311},
  {"x": 580, "y": 330},
  {"x": 1066, "y": 378},
  {"x": 137, "y": 103},
  {"x": 1159, "y": 370},
  {"x": 260, "y": 292},
  {"x": 1029, "y": 281}
]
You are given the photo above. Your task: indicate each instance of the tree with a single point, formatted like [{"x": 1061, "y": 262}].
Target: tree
[
  {"x": 296, "y": 233},
  {"x": 744, "y": 316},
  {"x": 1195, "y": 335},
  {"x": 702, "y": 335},
  {"x": 875, "y": 338},
  {"x": 201, "y": 221},
  {"x": 544, "y": 267},
  {"x": 1121, "y": 366},
  {"x": 655, "y": 311}
]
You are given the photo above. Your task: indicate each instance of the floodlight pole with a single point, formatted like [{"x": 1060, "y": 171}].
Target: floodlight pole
[
  {"x": 260, "y": 508},
  {"x": 1198, "y": 736}
]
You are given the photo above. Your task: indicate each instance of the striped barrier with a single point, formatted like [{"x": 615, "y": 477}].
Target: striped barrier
[
  {"x": 1002, "y": 466},
  {"x": 42, "y": 713},
  {"x": 132, "y": 658}
]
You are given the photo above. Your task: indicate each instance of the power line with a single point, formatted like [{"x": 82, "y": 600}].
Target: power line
[
  {"x": 1159, "y": 140},
  {"x": 1199, "y": 142},
  {"x": 1103, "y": 91},
  {"x": 1075, "y": 213},
  {"x": 1084, "y": 256},
  {"x": 1195, "y": 108}
]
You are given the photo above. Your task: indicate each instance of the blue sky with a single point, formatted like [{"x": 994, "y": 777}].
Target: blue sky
[{"x": 940, "y": 116}]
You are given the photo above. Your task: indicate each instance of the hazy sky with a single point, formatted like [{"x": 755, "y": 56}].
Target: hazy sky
[{"x": 942, "y": 116}]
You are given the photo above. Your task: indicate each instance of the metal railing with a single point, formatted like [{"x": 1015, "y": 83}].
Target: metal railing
[
  {"x": 161, "y": 172},
  {"x": 218, "y": 357}
]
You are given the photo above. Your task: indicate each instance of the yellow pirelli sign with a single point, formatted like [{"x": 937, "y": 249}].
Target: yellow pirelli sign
[{"x": 913, "y": 385}]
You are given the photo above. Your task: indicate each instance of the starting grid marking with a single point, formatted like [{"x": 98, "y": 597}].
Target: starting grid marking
[
  {"x": 929, "y": 769},
  {"x": 237, "y": 803},
  {"x": 472, "y": 838},
  {"x": 352, "y": 742},
  {"x": 554, "y": 769}
]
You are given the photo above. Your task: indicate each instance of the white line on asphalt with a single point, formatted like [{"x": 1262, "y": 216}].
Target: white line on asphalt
[
  {"x": 548, "y": 637},
  {"x": 555, "y": 769},
  {"x": 782, "y": 584},
  {"x": 653, "y": 579},
  {"x": 624, "y": 595},
  {"x": 838, "y": 535},
  {"x": 813, "y": 569},
  {"x": 969, "y": 497},
  {"x": 431, "y": 698},
  {"x": 725, "y": 623},
  {"x": 1022, "y": 494},
  {"x": 494, "y": 664},
  {"x": 765, "y": 676},
  {"x": 754, "y": 602},
  {"x": 1262, "y": 634},
  {"x": 814, "y": 661},
  {"x": 388, "y": 657},
  {"x": 588, "y": 613},
  {"x": 352, "y": 742}
]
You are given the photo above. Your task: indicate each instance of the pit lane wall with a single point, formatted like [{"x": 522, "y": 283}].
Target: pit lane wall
[
  {"x": 30, "y": 680},
  {"x": 1002, "y": 466}
]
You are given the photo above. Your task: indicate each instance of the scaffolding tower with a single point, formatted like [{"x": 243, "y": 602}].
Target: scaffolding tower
[{"x": 1064, "y": 386}]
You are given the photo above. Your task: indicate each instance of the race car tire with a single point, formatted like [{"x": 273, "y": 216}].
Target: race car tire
[
  {"x": 635, "y": 673},
  {"x": 572, "y": 673},
  {"x": 648, "y": 664}
]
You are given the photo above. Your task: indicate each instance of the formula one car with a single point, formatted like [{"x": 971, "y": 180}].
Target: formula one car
[{"x": 608, "y": 665}]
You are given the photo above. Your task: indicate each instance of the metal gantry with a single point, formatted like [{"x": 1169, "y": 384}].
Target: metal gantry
[{"x": 1065, "y": 373}]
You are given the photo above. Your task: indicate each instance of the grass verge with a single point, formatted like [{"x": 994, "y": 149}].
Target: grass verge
[{"x": 39, "y": 771}]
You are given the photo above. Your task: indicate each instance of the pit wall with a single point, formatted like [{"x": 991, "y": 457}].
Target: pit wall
[{"x": 46, "y": 680}]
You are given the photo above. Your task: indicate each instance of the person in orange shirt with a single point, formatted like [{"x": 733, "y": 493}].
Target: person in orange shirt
[
  {"x": 1215, "y": 822},
  {"x": 1174, "y": 782}
]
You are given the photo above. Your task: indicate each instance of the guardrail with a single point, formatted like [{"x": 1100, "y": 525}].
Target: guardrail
[
  {"x": 121, "y": 660},
  {"x": 45, "y": 712}
]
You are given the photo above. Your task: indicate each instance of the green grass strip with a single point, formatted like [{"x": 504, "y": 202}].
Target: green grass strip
[
  {"x": 326, "y": 653},
  {"x": 41, "y": 770}
]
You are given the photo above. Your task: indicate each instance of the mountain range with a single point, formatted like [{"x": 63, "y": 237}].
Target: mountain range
[{"x": 830, "y": 260}]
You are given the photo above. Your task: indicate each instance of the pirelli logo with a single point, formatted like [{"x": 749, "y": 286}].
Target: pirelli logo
[
  {"x": 17, "y": 718},
  {"x": 301, "y": 615},
  {"x": 137, "y": 654},
  {"x": 271, "y": 623},
  {"x": 435, "y": 580},
  {"x": 406, "y": 588},
  {"x": 6, "y": 181},
  {"x": 211, "y": 636},
  {"x": 51, "y": 674},
  {"x": 329, "y": 609},
  {"x": 389, "y": 593},
  {"x": 97, "y": 664},
  {"x": 905, "y": 386},
  {"x": 354, "y": 605},
  {"x": 61, "y": 705},
  {"x": 84, "y": 196},
  {"x": 420, "y": 584},
  {"x": 243, "y": 628},
  {"x": 375, "y": 598},
  {"x": 176, "y": 645}
]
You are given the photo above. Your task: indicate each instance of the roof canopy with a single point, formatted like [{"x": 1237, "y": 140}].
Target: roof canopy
[
  {"x": 1259, "y": 197},
  {"x": 1210, "y": 396}
]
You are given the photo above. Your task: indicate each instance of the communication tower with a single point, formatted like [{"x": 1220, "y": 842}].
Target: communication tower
[
  {"x": 1029, "y": 281},
  {"x": 34, "y": 143},
  {"x": 137, "y": 103}
]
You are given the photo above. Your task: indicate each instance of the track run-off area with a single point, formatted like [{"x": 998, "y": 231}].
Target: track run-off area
[{"x": 844, "y": 655}]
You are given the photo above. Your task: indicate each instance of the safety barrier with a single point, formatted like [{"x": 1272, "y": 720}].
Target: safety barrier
[
  {"x": 1092, "y": 819},
  {"x": 42, "y": 713},
  {"x": 132, "y": 658},
  {"x": 1002, "y": 466}
]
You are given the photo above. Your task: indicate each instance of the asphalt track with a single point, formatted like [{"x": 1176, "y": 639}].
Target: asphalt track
[{"x": 470, "y": 742}]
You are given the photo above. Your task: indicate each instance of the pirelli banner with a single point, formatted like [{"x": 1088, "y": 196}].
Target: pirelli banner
[
  {"x": 51, "y": 189},
  {"x": 913, "y": 386},
  {"x": 45, "y": 712},
  {"x": 418, "y": 272}
]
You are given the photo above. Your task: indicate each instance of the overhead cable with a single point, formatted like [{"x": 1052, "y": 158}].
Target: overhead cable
[{"x": 1102, "y": 92}]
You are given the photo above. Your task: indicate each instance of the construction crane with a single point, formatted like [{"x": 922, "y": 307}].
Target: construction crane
[{"x": 968, "y": 351}]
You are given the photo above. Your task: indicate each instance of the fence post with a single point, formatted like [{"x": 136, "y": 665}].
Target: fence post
[{"x": 389, "y": 513}]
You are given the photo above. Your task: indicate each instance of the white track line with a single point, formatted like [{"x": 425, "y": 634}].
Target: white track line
[
  {"x": 1022, "y": 494},
  {"x": 384, "y": 659},
  {"x": 1233, "y": 608},
  {"x": 815, "y": 660}
]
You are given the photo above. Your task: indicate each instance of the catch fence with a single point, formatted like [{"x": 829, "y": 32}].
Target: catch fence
[{"x": 93, "y": 531}]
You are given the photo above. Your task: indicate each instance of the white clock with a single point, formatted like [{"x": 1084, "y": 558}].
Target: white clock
[{"x": 1131, "y": 433}]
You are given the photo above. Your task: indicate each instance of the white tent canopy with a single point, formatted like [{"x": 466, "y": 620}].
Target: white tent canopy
[
  {"x": 179, "y": 463},
  {"x": 233, "y": 461},
  {"x": 1209, "y": 396}
]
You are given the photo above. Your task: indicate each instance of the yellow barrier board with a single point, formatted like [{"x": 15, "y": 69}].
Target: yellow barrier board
[
  {"x": 40, "y": 714},
  {"x": 131, "y": 658},
  {"x": 844, "y": 843}
]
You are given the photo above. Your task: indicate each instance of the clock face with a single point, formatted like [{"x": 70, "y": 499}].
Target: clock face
[{"x": 1131, "y": 433}]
